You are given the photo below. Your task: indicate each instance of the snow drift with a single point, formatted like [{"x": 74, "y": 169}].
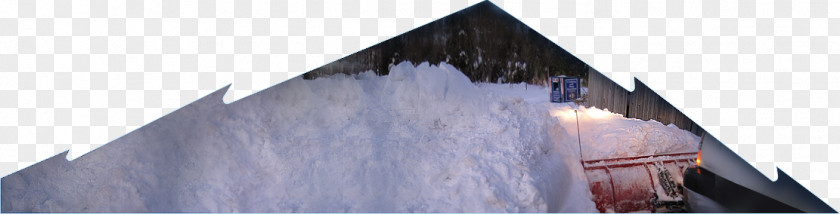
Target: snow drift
[{"x": 422, "y": 139}]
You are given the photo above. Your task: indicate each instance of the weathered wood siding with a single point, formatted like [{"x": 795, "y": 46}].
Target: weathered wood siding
[
  {"x": 604, "y": 93},
  {"x": 642, "y": 103}
]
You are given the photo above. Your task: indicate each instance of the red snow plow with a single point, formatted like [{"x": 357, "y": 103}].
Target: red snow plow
[
  {"x": 651, "y": 183},
  {"x": 639, "y": 184}
]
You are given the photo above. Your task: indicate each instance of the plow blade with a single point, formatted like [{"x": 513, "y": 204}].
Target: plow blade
[{"x": 639, "y": 184}]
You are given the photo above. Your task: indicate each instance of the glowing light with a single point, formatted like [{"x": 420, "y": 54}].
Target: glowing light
[
  {"x": 590, "y": 113},
  {"x": 699, "y": 154},
  {"x": 595, "y": 113},
  {"x": 565, "y": 114}
]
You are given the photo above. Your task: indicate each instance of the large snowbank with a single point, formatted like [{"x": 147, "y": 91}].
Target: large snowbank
[{"x": 423, "y": 139}]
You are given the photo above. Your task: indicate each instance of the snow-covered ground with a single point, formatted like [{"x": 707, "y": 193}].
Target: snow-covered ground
[{"x": 423, "y": 139}]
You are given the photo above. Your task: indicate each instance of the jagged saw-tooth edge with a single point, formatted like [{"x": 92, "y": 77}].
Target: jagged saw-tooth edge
[
  {"x": 799, "y": 194},
  {"x": 65, "y": 154},
  {"x": 61, "y": 156},
  {"x": 228, "y": 98},
  {"x": 215, "y": 97},
  {"x": 221, "y": 94}
]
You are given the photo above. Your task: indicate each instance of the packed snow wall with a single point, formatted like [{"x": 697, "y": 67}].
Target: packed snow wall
[{"x": 422, "y": 139}]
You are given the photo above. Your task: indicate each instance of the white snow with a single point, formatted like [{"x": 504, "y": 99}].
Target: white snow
[
  {"x": 422, "y": 139},
  {"x": 608, "y": 135},
  {"x": 425, "y": 139}
]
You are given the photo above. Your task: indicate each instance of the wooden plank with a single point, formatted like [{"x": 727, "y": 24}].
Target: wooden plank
[{"x": 643, "y": 103}]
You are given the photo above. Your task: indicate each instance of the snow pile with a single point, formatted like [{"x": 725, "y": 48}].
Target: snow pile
[
  {"x": 423, "y": 139},
  {"x": 608, "y": 135}
]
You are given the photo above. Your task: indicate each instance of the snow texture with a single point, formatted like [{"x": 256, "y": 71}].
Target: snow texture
[
  {"x": 608, "y": 135},
  {"x": 422, "y": 139}
]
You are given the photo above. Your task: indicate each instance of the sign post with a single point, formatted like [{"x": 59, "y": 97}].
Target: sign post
[
  {"x": 556, "y": 95},
  {"x": 571, "y": 86}
]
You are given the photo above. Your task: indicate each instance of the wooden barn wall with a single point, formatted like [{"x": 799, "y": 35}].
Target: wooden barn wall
[{"x": 642, "y": 103}]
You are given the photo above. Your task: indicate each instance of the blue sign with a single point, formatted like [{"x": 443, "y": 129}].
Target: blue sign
[
  {"x": 571, "y": 86},
  {"x": 556, "y": 95}
]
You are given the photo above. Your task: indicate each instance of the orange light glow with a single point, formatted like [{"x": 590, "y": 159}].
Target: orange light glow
[{"x": 699, "y": 154}]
